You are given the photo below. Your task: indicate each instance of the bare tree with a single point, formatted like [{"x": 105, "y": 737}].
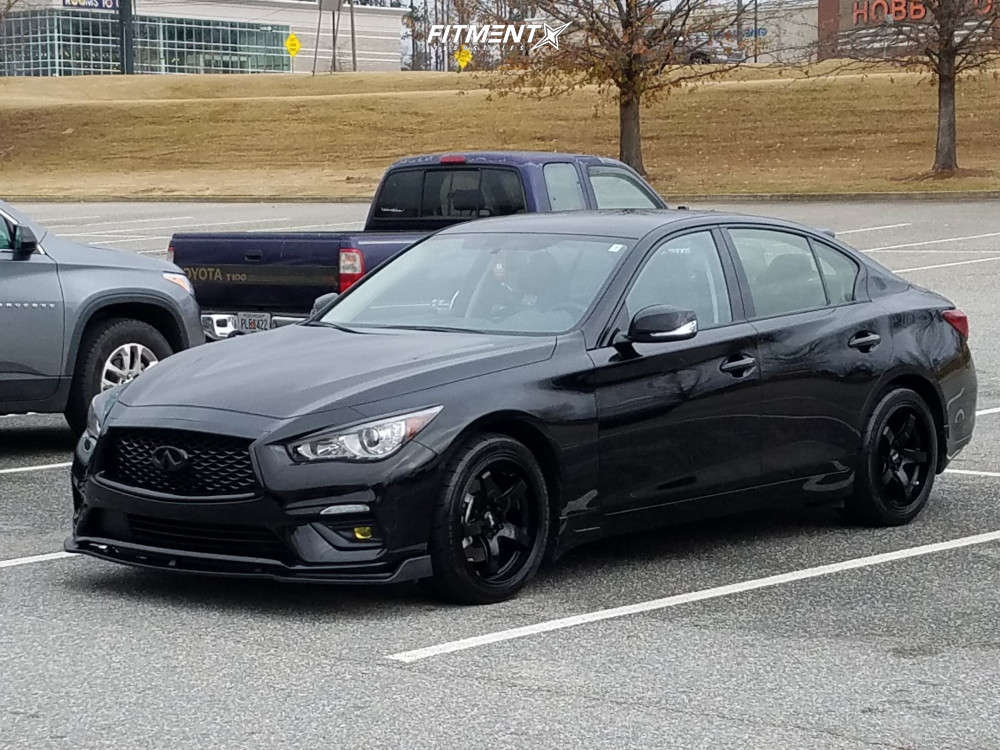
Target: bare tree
[
  {"x": 6, "y": 6},
  {"x": 943, "y": 37}
]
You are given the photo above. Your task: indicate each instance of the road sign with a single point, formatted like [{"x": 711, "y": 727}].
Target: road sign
[{"x": 293, "y": 45}]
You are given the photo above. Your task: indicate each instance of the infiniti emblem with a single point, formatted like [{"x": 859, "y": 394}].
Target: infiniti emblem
[{"x": 169, "y": 459}]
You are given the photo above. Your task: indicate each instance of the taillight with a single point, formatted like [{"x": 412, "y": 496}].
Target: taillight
[
  {"x": 170, "y": 253},
  {"x": 958, "y": 320},
  {"x": 352, "y": 267}
]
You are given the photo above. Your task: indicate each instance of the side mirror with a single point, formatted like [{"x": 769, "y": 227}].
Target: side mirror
[
  {"x": 25, "y": 242},
  {"x": 322, "y": 301},
  {"x": 662, "y": 323}
]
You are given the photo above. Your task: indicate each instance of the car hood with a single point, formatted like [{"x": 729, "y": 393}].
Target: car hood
[
  {"x": 67, "y": 252},
  {"x": 298, "y": 370}
]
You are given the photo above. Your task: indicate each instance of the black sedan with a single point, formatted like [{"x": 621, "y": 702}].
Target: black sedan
[{"x": 508, "y": 389}]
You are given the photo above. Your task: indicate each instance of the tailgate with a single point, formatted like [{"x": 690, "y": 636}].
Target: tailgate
[{"x": 259, "y": 270}]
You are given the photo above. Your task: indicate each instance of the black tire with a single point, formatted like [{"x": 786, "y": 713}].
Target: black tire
[
  {"x": 495, "y": 488},
  {"x": 99, "y": 342},
  {"x": 898, "y": 462}
]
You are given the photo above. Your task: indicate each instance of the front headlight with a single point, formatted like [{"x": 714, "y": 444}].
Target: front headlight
[
  {"x": 180, "y": 280},
  {"x": 100, "y": 407},
  {"x": 364, "y": 442}
]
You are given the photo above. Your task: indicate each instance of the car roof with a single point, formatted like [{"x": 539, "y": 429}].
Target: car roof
[
  {"x": 632, "y": 223},
  {"x": 510, "y": 158}
]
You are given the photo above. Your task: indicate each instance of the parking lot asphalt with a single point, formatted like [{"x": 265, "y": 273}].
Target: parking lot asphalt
[{"x": 904, "y": 653}]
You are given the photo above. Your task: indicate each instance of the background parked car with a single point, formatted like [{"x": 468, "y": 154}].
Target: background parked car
[{"x": 77, "y": 319}]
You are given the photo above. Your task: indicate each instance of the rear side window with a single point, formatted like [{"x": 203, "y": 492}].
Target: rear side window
[
  {"x": 563, "y": 184},
  {"x": 616, "y": 188},
  {"x": 4, "y": 235},
  {"x": 839, "y": 273},
  {"x": 781, "y": 271}
]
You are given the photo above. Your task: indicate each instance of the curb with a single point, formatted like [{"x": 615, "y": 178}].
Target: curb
[{"x": 938, "y": 195}]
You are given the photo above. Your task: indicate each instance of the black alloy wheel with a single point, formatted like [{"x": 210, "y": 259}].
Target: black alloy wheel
[
  {"x": 491, "y": 524},
  {"x": 898, "y": 463},
  {"x": 903, "y": 456}
]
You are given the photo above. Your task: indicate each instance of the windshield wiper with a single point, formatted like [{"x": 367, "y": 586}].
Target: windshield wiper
[
  {"x": 325, "y": 324},
  {"x": 444, "y": 329}
]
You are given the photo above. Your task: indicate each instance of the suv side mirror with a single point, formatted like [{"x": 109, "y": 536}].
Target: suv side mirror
[
  {"x": 662, "y": 323},
  {"x": 25, "y": 242},
  {"x": 322, "y": 301}
]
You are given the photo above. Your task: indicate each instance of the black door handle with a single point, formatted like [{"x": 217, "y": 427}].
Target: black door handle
[
  {"x": 738, "y": 367},
  {"x": 864, "y": 341}
]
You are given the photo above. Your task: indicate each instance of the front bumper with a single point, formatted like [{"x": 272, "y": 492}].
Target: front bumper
[{"x": 298, "y": 526}]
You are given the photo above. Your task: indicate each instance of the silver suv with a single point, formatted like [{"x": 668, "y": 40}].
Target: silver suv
[{"x": 77, "y": 319}]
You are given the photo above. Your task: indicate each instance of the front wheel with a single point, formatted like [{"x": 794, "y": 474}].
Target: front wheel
[
  {"x": 113, "y": 352},
  {"x": 491, "y": 522},
  {"x": 898, "y": 461}
]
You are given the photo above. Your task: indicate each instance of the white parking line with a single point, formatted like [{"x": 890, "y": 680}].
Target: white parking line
[
  {"x": 39, "y": 467},
  {"x": 947, "y": 265},
  {"x": 34, "y": 559},
  {"x": 874, "y": 229},
  {"x": 934, "y": 242},
  {"x": 972, "y": 473},
  {"x": 119, "y": 222},
  {"x": 188, "y": 228},
  {"x": 694, "y": 596},
  {"x": 984, "y": 412}
]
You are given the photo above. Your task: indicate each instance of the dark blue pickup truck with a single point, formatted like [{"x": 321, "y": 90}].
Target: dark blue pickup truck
[{"x": 251, "y": 281}]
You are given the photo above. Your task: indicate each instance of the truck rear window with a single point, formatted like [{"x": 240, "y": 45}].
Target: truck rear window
[{"x": 450, "y": 193}]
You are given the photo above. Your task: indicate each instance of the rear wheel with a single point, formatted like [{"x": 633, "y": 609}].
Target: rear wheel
[
  {"x": 898, "y": 462},
  {"x": 113, "y": 352},
  {"x": 491, "y": 522}
]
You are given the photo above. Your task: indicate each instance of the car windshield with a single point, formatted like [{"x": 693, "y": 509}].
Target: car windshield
[{"x": 485, "y": 282}]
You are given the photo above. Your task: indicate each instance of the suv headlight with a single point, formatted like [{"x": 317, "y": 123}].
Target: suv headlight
[
  {"x": 370, "y": 441},
  {"x": 180, "y": 280}
]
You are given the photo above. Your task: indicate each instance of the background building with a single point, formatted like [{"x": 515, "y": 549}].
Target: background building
[{"x": 81, "y": 37}]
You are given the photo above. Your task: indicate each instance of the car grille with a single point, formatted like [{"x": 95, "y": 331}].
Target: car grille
[
  {"x": 218, "y": 539},
  {"x": 215, "y": 465}
]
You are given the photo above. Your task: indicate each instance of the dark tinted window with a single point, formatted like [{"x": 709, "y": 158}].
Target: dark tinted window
[
  {"x": 839, "y": 273},
  {"x": 563, "y": 184},
  {"x": 4, "y": 235},
  {"x": 616, "y": 188},
  {"x": 471, "y": 193},
  {"x": 400, "y": 195},
  {"x": 684, "y": 272},
  {"x": 781, "y": 271}
]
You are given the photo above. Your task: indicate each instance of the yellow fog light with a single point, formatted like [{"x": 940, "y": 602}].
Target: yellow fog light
[{"x": 363, "y": 533}]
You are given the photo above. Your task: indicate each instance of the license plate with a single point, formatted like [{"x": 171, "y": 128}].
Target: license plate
[{"x": 253, "y": 322}]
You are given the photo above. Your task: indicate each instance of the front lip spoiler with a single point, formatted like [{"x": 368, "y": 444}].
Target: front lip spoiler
[{"x": 203, "y": 563}]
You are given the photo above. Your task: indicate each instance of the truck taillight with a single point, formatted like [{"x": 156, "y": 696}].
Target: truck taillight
[
  {"x": 958, "y": 320},
  {"x": 352, "y": 267},
  {"x": 170, "y": 253}
]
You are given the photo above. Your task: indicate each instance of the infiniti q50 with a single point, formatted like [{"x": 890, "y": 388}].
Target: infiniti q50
[{"x": 509, "y": 389}]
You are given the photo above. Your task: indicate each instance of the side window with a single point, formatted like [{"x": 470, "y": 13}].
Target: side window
[
  {"x": 839, "y": 273},
  {"x": 399, "y": 197},
  {"x": 781, "y": 271},
  {"x": 684, "y": 272},
  {"x": 5, "y": 242},
  {"x": 563, "y": 184},
  {"x": 616, "y": 188}
]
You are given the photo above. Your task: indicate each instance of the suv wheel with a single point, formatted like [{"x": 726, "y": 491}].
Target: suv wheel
[
  {"x": 491, "y": 522},
  {"x": 898, "y": 462},
  {"x": 113, "y": 352}
]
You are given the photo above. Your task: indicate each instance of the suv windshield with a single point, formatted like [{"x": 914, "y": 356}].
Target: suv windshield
[{"x": 502, "y": 283}]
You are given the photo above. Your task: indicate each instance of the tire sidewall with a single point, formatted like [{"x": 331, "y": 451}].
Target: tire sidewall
[
  {"x": 451, "y": 571},
  {"x": 884, "y": 512}
]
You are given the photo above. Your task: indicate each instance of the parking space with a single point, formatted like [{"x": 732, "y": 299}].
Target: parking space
[{"x": 884, "y": 653}]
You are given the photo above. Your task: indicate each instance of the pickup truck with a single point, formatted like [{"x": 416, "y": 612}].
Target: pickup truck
[{"x": 252, "y": 281}]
